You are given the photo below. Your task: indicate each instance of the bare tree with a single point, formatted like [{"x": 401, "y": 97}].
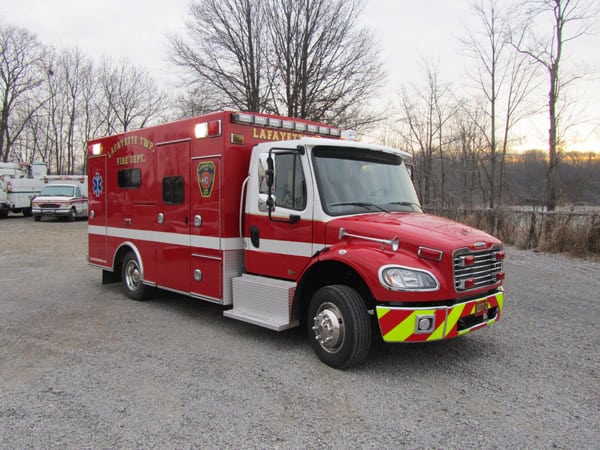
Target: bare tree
[
  {"x": 504, "y": 80},
  {"x": 131, "y": 98},
  {"x": 198, "y": 98},
  {"x": 324, "y": 67},
  {"x": 468, "y": 143},
  {"x": 21, "y": 75},
  {"x": 570, "y": 20},
  {"x": 308, "y": 60},
  {"x": 424, "y": 113},
  {"x": 64, "y": 111},
  {"x": 225, "y": 51}
]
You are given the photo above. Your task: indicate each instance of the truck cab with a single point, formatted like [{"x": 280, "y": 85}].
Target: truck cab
[{"x": 342, "y": 222}]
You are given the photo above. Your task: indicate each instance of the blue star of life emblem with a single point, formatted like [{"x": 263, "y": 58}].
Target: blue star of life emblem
[{"x": 97, "y": 184}]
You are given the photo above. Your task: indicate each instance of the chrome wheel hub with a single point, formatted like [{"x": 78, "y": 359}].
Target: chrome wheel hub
[
  {"x": 329, "y": 327},
  {"x": 132, "y": 275}
]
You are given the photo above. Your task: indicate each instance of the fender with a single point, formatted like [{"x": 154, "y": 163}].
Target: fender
[
  {"x": 365, "y": 259},
  {"x": 124, "y": 247}
]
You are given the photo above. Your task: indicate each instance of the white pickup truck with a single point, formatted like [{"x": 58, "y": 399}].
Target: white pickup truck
[{"x": 62, "y": 198}]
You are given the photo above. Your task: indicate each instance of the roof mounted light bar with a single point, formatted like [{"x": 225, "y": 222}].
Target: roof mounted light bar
[{"x": 286, "y": 124}]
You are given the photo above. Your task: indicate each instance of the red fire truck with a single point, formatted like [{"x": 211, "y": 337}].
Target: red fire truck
[{"x": 284, "y": 223}]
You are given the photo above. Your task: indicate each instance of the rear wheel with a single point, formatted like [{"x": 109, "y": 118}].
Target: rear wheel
[
  {"x": 133, "y": 279},
  {"x": 339, "y": 326}
]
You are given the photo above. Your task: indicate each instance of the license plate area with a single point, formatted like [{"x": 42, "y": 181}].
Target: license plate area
[{"x": 481, "y": 308}]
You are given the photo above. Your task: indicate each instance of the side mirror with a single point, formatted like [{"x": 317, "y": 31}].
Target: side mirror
[
  {"x": 263, "y": 202},
  {"x": 270, "y": 171}
]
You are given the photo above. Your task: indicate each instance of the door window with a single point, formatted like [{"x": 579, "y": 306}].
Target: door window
[
  {"x": 289, "y": 183},
  {"x": 173, "y": 190}
]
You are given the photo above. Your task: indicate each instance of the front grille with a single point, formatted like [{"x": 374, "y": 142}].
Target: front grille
[
  {"x": 50, "y": 205},
  {"x": 473, "y": 270}
]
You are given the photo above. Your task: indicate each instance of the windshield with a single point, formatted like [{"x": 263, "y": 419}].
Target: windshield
[
  {"x": 57, "y": 191},
  {"x": 355, "y": 181}
]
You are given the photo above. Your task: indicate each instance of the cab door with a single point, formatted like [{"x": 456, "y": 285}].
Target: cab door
[{"x": 279, "y": 239}]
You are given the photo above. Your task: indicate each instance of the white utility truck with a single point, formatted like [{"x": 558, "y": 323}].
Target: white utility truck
[{"x": 19, "y": 184}]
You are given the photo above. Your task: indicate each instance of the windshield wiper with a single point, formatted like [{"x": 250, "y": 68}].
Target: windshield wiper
[
  {"x": 362, "y": 204},
  {"x": 411, "y": 204}
]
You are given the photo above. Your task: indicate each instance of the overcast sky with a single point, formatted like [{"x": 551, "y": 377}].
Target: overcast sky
[{"x": 408, "y": 32}]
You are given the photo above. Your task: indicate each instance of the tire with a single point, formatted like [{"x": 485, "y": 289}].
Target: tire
[
  {"x": 339, "y": 327},
  {"x": 133, "y": 279},
  {"x": 27, "y": 212},
  {"x": 72, "y": 215},
  {"x": 37, "y": 218}
]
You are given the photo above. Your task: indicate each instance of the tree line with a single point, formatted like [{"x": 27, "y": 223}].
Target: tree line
[
  {"x": 311, "y": 59},
  {"x": 53, "y": 101}
]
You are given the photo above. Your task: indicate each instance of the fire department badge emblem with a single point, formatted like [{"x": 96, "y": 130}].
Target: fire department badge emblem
[{"x": 206, "y": 178}]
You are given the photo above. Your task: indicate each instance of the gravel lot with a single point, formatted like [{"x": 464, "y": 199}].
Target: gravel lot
[{"x": 82, "y": 366}]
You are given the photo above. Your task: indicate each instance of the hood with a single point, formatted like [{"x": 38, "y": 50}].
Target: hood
[
  {"x": 52, "y": 199},
  {"x": 412, "y": 230}
]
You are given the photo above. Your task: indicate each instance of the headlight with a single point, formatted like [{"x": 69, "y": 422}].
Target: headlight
[{"x": 407, "y": 279}]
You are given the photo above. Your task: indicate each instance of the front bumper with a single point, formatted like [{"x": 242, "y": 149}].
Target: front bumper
[
  {"x": 51, "y": 212},
  {"x": 412, "y": 324}
]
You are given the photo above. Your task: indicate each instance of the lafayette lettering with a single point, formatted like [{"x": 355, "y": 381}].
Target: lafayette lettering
[
  {"x": 131, "y": 140},
  {"x": 274, "y": 135}
]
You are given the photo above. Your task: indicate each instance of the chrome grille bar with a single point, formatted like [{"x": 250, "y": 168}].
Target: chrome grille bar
[{"x": 473, "y": 270}]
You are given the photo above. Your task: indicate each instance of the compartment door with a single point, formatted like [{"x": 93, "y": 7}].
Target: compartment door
[
  {"x": 206, "y": 250},
  {"x": 97, "y": 220}
]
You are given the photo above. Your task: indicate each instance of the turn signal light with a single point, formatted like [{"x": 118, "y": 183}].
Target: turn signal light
[{"x": 430, "y": 253}]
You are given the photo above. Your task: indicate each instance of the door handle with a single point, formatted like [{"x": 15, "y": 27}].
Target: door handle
[{"x": 254, "y": 236}]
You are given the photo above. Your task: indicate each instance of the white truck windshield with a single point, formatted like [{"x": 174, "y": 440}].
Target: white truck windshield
[{"x": 58, "y": 191}]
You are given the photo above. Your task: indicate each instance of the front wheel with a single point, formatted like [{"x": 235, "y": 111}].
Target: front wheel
[
  {"x": 72, "y": 215},
  {"x": 133, "y": 279},
  {"x": 339, "y": 326}
]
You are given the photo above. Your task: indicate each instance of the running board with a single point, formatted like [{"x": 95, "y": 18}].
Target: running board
[{"x": 262, "y": 301}]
